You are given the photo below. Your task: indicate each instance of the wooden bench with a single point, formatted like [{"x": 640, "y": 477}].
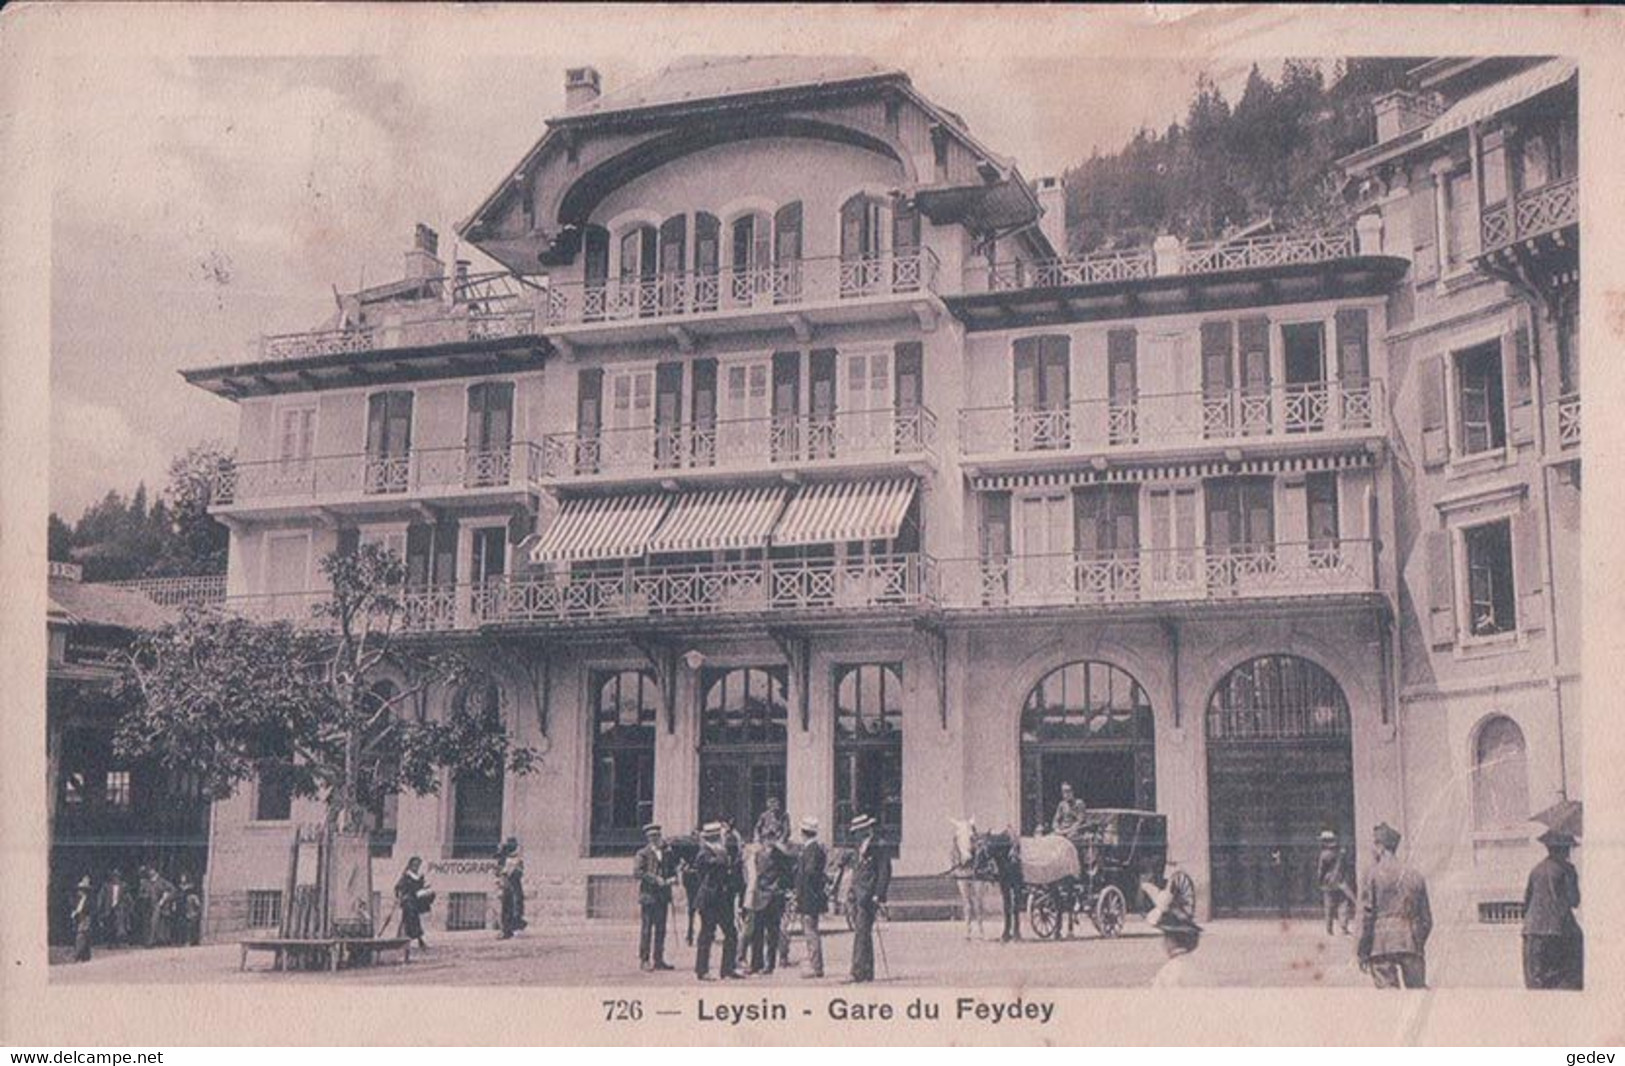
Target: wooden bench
[{"x": 332, "y": 952}]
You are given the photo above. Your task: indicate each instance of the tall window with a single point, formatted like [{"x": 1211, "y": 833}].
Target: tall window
[
  {"x": 1500, "y": 775},
  {"x": 1320, "y": 494},
  {"x": 1042, "y": 391},
  {"x": 1460, "y": 218},
  {"x": 1491, "y": 592},
  {"x": 1480, "y": 400},
  {"x": 273, "y": 790},
  {"x": 476, "y": 820},
  {"x": 744, "y": 727},
  {"x": 869, "y": 747},
  {"x": 389, "y": 441},
  {"x": 625, "y": 714}
]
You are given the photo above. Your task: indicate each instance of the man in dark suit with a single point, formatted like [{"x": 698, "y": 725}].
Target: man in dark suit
[
  {"x": 1553, "y": 948},
  {"x": 718, "y": 888},
  {"x": 654, "y": 899},
  {"x": 812, "y": 894},
  {"x": 871, "y": 880},
  {"x": 1397, "y": 918}
]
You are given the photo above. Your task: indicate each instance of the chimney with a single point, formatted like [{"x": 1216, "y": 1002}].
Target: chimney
[
  {"x": 1400, "y": 112},
  {"x": 581, "y": 87},
  {"x": 423, "y": 261},
  {"x": 1052, "y": 199}
]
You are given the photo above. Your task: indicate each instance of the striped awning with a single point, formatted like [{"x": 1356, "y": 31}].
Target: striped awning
[
  {"x": 1497, "y": 98},
  {"x": 1186, "y": 471},
  {"x": 720, "y": 520},
  {"x": 601, "y": 527},
  {"x": 846, "y": 510}
]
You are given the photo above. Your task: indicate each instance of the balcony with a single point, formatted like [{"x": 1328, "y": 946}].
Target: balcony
[
  {"x": 714, "y": 299},
  {"x": 1169, "y": 257},
  {"x": 1152, "y": 576},
  {"x": 1568, "y": 421},
  {"x": 846, "y": 441},
  {"x": 642, "y": 592},
  {"x": 198, "y": 591},
  {"x": 469, "y": 326},
  {"x": 377, "y": 482},
  {"x": 1531, "y": 214},
  {"x": 1285, "y": 415}
]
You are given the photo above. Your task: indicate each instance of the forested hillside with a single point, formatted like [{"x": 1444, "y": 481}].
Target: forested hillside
[{"x": 1269, "y": 156}]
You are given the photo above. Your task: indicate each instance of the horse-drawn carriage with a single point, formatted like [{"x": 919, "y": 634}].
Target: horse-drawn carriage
[
  {"x": 1095, "y": 871},
  {"x": 1101, "y": 870}
]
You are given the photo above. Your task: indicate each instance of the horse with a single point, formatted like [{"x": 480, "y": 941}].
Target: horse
[
  {"x": 681, "y": 851},
  {"x": 990, "y": 857},
  {"x": 961, "y": 854}
]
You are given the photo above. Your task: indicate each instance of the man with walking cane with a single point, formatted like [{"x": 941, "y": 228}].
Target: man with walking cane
[{"x": 871, "y": 880}]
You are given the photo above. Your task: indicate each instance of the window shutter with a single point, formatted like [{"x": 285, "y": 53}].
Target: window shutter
[
  {"x": 1424, "y": 231},
  {"x": 1527, "y": 571},
  {"x": 1430, "y": 398},
  {"x": 1441, "y": 589},
  {"x": 1520, "y": 390}
]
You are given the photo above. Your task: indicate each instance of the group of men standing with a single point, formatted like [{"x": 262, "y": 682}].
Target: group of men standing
[
  {"x": 151, "y": 912},
  {"x": 785, "y": 874}
]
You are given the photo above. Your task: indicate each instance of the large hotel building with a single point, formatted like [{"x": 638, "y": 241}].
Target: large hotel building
[{"x": 792, "y": 454}]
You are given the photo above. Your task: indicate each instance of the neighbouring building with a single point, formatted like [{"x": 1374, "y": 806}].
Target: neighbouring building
[
  {"x": 787, "y": 457},
  {"x": 106, "y": 812}
]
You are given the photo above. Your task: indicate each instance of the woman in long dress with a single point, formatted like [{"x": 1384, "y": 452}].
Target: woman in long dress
[{"x": 412, "y": 896}]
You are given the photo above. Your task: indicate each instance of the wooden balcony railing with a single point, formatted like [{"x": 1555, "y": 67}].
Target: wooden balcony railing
[
  {"x": 1530, "y": 214},
  {"x": 1283, "y": 249},
  {"x": 743, "y": 444},
  {"x": 421, "y": 471},
  {"x": 1568, "y": 421},
  {"x": 198, "y": 591},
  {"x": 1079, "y": 270},
  {"x": 1168, "y": 257},
  {"x": 470, "y": 325},
  {"x": 1232, "y": 416},
  {"x": 792, "y": 283},
  {"x": 1147, "y": 575},
  {"x": 641, "y": 591}
]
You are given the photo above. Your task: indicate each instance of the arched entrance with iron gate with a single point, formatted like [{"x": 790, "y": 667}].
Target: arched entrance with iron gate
[
  {"x": 1280, "y": 770},
  {"x": 1087, "y": 724}
]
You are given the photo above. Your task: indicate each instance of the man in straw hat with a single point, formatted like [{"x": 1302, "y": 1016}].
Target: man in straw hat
[
  {"x": 812, "y": 894},
  {"x": 1397, "y": 919},
  {"x": 1336, "y": 882},
  {"x": 871, "y": 880},
  {"x": 654, "y": 899},
  {"x": 1553, "y": 947},
  {"x": 716, "y": 892}
]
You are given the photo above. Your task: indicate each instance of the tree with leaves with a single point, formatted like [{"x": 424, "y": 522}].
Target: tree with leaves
[{"x": 228, "y": 698}]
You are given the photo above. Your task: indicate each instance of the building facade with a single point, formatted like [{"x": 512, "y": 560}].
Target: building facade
[
  {"x": 106, "y": 813},
  {"x": 789, "y": 456}
]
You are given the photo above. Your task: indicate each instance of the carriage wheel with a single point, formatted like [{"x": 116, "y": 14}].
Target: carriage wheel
[
  {"x": 1182, "y": 892},
  {"x": 1109, "y": 910},
  {"x": 1044, "y": 914}
]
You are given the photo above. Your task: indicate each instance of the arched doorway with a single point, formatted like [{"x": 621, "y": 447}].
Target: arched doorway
[
  {"x": 744, "y": 729},
  {"x": 1280, "y": 770},
  {"x": 1087, "y": 724}
]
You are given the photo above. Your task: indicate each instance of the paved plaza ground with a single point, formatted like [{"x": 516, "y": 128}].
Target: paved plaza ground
[{"x": 1233, "y": 953}]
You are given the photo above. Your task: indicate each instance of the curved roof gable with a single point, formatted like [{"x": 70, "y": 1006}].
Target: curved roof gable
[{"x": 697, "y": 78}]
